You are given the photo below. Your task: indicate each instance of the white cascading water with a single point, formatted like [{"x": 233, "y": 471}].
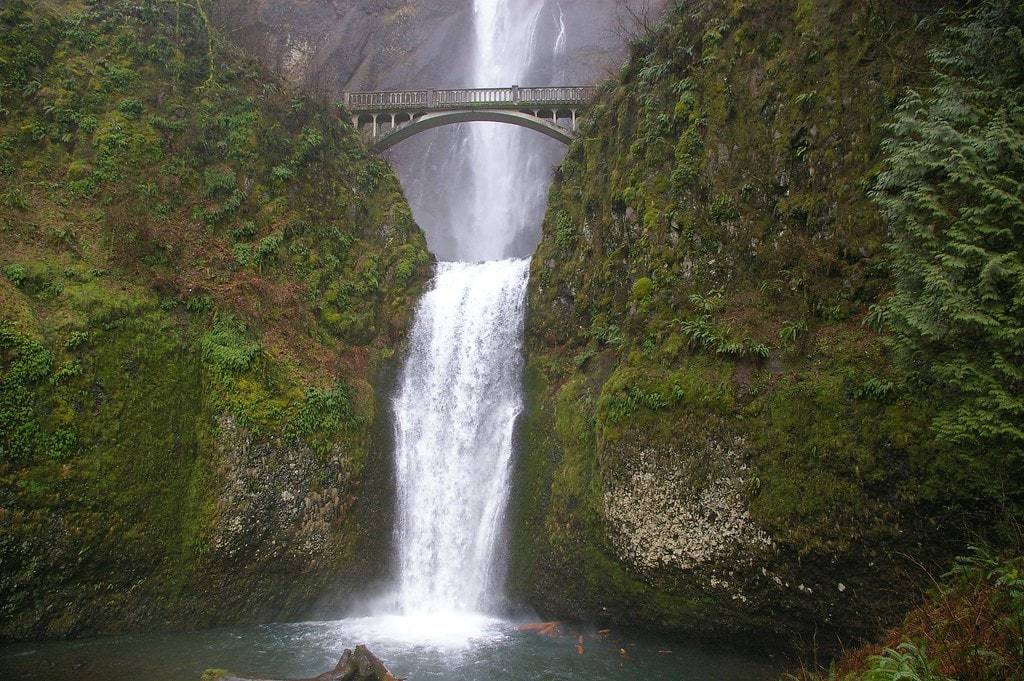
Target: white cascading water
[
  {"x": 460, "y": 390},
  {"x": 456, "y": 408},
  {"x": 503, "y": 183}
]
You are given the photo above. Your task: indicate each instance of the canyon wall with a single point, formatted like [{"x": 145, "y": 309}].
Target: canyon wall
[
  {"x": 206, "y": 280},
  {"x": 717, "y": 439}
]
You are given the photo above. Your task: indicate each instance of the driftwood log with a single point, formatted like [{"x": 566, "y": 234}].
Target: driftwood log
[
  {"x": 548, "y": 629},
  {"x": 358, "y": 665}
]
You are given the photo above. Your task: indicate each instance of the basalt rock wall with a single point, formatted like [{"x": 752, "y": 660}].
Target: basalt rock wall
[
  {"x": 715, "y": 440},
  {"x": 205, "y": 278}
]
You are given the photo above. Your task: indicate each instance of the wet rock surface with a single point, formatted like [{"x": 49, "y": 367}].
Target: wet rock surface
[
  {"x": 278, "y": 501},
  {"x": 333, "y": 45},
  {"x": 698, "y": 452},
  {"x": 358, "y": 665},
  {"x": 664, "y": 512}
]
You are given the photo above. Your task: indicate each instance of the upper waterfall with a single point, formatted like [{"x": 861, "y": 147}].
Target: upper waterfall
[{"x": 503, "y": 183}]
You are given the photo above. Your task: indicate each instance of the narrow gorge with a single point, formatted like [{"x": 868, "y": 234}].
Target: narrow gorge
[{"x": 717, "y": 378}]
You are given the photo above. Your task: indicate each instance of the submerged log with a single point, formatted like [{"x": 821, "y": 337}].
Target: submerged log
[
  {"x": 360, "y": 665},
  {"x": 549, "y": 629}
]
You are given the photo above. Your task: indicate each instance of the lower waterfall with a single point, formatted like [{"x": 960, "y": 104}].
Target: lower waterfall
[{"x": 455, "y": 411}]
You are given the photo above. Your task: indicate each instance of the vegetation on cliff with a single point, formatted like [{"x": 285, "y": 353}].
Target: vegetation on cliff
[
  {"x": 953, "y": 192},
  {"x": 203, "y": 273},
  {"x": 724, "y": 336},
  {"x": 971, "y": 628}
]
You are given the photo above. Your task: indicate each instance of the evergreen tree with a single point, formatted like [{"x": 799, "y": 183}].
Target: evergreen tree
[{"x": 953, "y": 192}]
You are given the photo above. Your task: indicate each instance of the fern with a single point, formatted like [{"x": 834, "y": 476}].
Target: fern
[
  {"x": 791, "y": 331},
  {"x": 876, "y": 390},
  {"x": 564, "y": 231},
  {"x": 953, "y": 193},
  {"x": 227, "y": 351},
  {"x": 709, "y": 302},
  {"x": 653, "y": 73},
  {"x": 704, "y": 334},
  {"x": 907, "y": 662}
]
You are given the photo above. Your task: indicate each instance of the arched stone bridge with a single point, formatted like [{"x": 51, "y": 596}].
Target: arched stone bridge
[{"x": 387, "y": 118}]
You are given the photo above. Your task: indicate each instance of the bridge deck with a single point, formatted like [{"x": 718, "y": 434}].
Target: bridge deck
[{"x": 466, "y": 98}]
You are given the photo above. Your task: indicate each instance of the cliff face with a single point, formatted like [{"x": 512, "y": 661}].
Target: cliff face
[
  {"x": 333, "y": 45},
  {"x": 714, "y": 439},
  {"x": 205, "y": 276}
]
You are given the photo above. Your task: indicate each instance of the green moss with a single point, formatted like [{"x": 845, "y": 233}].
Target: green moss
[
  {"x": 214, "y": 675},
  {"x": 734, "y": 254},
  {"x": 180, "y": 313},
  {"x": 642, "y": 289}
]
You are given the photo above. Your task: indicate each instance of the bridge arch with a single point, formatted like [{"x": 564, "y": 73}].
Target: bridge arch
[
  {"x": 428, "y": 121},
  {"x": 391, "y": 117}
]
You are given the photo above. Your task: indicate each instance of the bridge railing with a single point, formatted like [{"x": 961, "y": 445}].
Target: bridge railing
[
  {"x": 470, "y": 97},
  {"x": 357, "y": 101},
  {"x": 405, "y": 100},
  {"x": 555, "y": 95}
]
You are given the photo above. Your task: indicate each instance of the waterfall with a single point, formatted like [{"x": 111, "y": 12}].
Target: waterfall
[
  {"x": 503, "y": 182},
  {"x": 459, "y": 393},
  {"x": 455, "y": 411}
]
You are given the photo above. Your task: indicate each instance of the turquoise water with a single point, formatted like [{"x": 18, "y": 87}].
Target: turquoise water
[{"x": 484, "y": 650}]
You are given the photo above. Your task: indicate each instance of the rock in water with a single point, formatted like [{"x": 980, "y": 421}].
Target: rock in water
[{"x": 361, "y": 665}]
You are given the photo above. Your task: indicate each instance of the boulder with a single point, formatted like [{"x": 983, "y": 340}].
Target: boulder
[{"x": 360, "y": 665}]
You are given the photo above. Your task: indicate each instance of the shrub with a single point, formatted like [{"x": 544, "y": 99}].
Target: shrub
[{"x": 16, "y": 274}]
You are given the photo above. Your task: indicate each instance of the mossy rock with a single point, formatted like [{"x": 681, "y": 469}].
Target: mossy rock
[
  {"x": 733, "y": 256},
  {"x": 215, "y": 675},
  {"x": 173, "y": 403}
]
